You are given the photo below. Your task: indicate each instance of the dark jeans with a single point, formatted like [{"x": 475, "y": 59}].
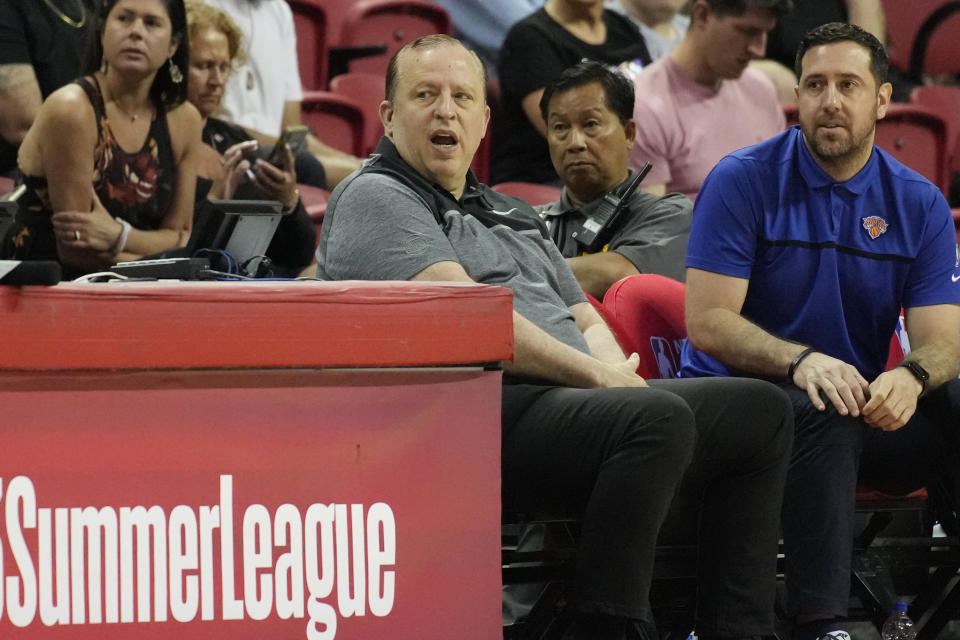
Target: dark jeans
[
  {"x": 830, "y": 453},
  {"x": 616, "y": 458}
]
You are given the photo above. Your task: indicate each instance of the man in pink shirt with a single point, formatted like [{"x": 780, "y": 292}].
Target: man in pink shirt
[{"x": 703, "y": 101}]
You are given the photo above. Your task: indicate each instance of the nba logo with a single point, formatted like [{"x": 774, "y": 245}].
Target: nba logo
[{"x": 667, "y": 360}]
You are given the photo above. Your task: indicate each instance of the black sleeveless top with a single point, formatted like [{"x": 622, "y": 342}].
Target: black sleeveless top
[{"x": 138, "y": 187}]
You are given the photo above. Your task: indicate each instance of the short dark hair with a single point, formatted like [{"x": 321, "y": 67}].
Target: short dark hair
[
  {"x": 617, "y": 88},
  {"x": 779, "y": 8},
  {"x": 164, "y": 91},
  {"x": 832, "y": 32},
  {"x": 427, "y": 42}
]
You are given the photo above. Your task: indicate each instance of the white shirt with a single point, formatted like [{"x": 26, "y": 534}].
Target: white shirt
[{"x": 257, "y": 91}]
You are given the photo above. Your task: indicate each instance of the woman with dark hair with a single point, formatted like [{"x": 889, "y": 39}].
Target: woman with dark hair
[{"x": 123, "y": 136}]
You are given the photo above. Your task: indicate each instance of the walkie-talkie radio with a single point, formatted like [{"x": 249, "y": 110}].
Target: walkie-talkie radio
[{"x": 596, "y": 230}]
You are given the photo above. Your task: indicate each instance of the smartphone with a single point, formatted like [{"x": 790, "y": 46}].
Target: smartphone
[{"x": 294, "y": 137}]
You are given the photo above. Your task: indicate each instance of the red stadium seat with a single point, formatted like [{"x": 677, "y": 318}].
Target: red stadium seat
[
  {"x": 917, "y": 137},
  {"x": 924, "y": 36},
  {"x": 481, "y": 159},
  {"x": 945, "y": 101},
  {"x": 314, "y": 201},
  {"x": 903, "y": 19},
  {"x": 313, "y": 42},
  {"x": 645, "y": 312},
  {"x": 936, "y": 49},
  {"x": 388, "y": 22},
  {"x": 337, "y": 120},
  {"x": 367, "y": 90},
  {"x": 319, "y": 27},
  {"x": 531, "y": 192}
]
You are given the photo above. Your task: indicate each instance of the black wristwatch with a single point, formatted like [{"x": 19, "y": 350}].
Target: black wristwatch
[{"x": 918, "y": 372}]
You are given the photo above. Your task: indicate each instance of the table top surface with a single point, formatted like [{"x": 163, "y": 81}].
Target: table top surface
[{"x": 172, "y": 324}]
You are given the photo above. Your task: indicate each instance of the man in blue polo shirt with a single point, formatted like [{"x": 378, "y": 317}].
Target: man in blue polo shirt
[{"x": 803, "y": 250}]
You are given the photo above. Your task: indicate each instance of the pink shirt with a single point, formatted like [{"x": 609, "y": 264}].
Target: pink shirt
[{"x": 685, "y": 128}]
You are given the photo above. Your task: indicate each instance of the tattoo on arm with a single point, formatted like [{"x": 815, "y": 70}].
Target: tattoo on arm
[{"x": 14, "y": 78}]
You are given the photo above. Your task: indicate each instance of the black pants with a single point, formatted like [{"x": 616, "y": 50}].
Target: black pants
[
  {"x": 617, "y": 457},
  {"x": 830, "y": 453}
]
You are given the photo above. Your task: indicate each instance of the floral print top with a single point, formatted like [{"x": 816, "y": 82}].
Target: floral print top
[{"x": 137, "y": 187}]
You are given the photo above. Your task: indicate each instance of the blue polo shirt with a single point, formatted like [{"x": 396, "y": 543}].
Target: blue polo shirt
[{"x": 830, "y": 264}]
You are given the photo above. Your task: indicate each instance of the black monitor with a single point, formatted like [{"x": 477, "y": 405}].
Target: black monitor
[
  {"x": 241, "y": 228},
  {"x": 232, "y": 236}
]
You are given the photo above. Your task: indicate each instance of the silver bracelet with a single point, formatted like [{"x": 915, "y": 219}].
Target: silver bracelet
[{"x": 121, "y": 242}]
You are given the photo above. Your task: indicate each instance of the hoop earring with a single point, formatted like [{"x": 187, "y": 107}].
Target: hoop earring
[{"x": 175, "y": 73}]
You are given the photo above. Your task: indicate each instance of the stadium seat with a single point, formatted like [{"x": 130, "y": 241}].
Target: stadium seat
[
  {"x": 531, "y": 192},
  {"x": 337, "y": 120},
  {"x": 944, "y": 100},
  {"x": 917, "y": 137},
  {"x": 314, "y": 201},
  {"x": 936, "y": 49},
  {"x": 392, "y": 23},
  {"x": 311, "y": 25},
  {"x": 919, "y": 36},
  {"x": 367, "y": 90},
  {"x": 645, "y": 312},
  {"x": 318, "y": 24},
  {"x": 481, "y": 159}
]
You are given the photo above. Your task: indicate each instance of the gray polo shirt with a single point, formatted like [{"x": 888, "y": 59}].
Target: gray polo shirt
[
  {"x": 378, "y": 228},
  {"x": 652, "y": 233}
]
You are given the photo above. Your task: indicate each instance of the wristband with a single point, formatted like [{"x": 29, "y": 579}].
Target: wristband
[
  {"x": 796, "y": 361},
  {"x": 918, "y": 372},
  {"x": 121, "y": 242}
]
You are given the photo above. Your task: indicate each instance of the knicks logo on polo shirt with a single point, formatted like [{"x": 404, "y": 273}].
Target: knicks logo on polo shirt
[{"x": 875, "y": 226}]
